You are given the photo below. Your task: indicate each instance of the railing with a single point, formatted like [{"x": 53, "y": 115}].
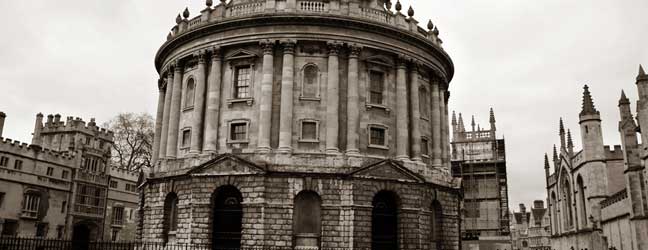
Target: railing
[
  {"x": 246, "y": 9},
  {"x": 313, "y": 6},
  {"x": 376, "y": 15},
  {"x": 195, "y": 22}
]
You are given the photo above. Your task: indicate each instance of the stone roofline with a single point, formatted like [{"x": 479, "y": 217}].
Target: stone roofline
[
  {"x": 614, "y": 198},
  {"x": 21, "y": 148},
  {"x": 54, "y": 124},
  {"x": 124, "y": 172}
]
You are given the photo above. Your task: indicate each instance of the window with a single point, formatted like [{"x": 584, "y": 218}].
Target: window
[
  {"x": 190, "y": 93},
  {"x": 186, "y": 138},
  {"x": 376, "y": 87},
  {"x": 41, "y": 229},
  {"x": 472, "y": 209},
  {"x": 170, "y": 222},
  {"x": 384, "y": 221},
  {"x": 10, "y": 228},
  {"x": 2, "y": 195},
  {"x": 59, "y": 231},
  {"x": 18, "y": 165},
  {"x": 64, "y": 174},
  {"x": 115, "y": 235},
  {"x": 425, "y": 147},
  {"x": 63, "y": 206},
  {"x": 50, "y": 171},
  {"x": 242, "y": 81},
  {"x": 113, "y": 184},
  {"x": 131, "y": 187},
  {"x": 309, "y": 130},
  {"x": 238, "y": 131},
  {"x": 310, "y": 81},
  {"x": 118, "y": 216},
  {"x": 227, "y": 217},
  {"x": 377, "y": 136},
  {"x": 4, "y": 161},
  {"x": 424, "y": 103},
  {"x": 31, "y": 204},
  {"x": 307, "y": 219}
]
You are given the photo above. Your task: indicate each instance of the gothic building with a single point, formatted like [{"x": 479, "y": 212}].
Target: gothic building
[
  {"x": 302, "y": 124},
  {"x": 61, "y": 186},
  {"x": 479, "y": 159},
  {"x": 597, "y": 196},
  {"x": 530, "y": 230}
]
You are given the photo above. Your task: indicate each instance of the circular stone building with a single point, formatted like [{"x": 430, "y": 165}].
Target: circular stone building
[{"x": 319, "y": 124}]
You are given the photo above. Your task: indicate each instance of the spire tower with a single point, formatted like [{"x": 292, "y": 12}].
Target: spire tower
[
  {"x": 588, "y": 103},
  {"x": 561, "y": 133}
]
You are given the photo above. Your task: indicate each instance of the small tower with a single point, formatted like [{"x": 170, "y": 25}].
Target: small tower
[
  {"x": 555, "y": 158},
  {"x": 2, "y": 120},
  {"x": 642, "y": 103},
  {"x": 492, "y": 124},
  {"x": 590, "y": 125},
  {"x": 38, "y": 127},
  {"x": 472, "y": 123}
]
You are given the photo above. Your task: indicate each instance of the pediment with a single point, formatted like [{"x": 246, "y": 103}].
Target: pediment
[
  {"x": 380, "y": 60},
  {"x": 387, "y": 170},
  {"x": 227, "y": 164},
  {"x": 241, "y": 54}
]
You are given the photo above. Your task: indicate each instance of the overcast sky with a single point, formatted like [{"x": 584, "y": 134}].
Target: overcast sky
[{"x": 526, "y": 59}]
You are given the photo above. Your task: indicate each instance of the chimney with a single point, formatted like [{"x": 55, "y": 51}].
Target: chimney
[
  {"x": 2, "y": 118},
  {"x": 538, "y": 204},
  {"x": 38, "y": 127}
]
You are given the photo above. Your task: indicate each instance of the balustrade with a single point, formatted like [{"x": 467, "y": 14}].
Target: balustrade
[
  {"x": 246, "y": 9},
  {"x": 313, "y": 6}
]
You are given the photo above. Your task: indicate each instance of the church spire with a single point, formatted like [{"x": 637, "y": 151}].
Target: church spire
[
  {"x": 462, "y": 127},
  {"x": 623, "y": 100},
  {"x": 561, "y": 133},
  {"x": 492, "y": 119},
  {"x": 588, "y": 103}
]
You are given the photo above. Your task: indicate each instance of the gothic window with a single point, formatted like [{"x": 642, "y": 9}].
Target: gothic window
[
  {"x": 190, "y": 93},
  {"x": 50, "y": 171},
  {"x": 242, "y": 81},
  {"x": 567, "y": 202},
  {"x": 309, "y": 131},
  {"x": 307, "y": 219},
  {"x": 18, "y": 165},
  {"x": 170, "y": 222},
  {"x": 384, "y": 221},
  {"x": 310, "y": 82},
  {"x": 227, "y": 218},
  {"x": 4, "y": 161},
  {"x": 238, "y": 131},
  {"x": 377, "y": 136},
  {"x": 31, "y": 204},
  {"x": 436, "y": 224},
  {"x": 424, "y": 103},
  {"x": 376, "y": 87},
  {"x": 186, "y": 138},
  {"x": 582, "y": 201}
]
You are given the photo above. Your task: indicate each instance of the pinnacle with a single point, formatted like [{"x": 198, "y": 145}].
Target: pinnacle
[
  {"x": 641, "y": 71},
  {"x": 546, "y": 163},
  {"x": 561, "y": 129},
  {"x": 588, "y": 104},
  {"x": 623, "y": 100},
  {"x": 492, "y": 116},
  {"x": 555, "y": 153},
  {"x": 570, "y": 143},
  {"x": 454, "y": 118}
]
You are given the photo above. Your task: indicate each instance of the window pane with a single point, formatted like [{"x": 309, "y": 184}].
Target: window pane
[
  {"x": 186, "y": 138},
  {"x": 190, "y": 93},
  {"x": 242, "y": 82},
  {"x": 376, "y": 82},
  {"x": 238, "y": 131},
  {"x": 424, "y": 146},
  {"x": 310, "y": 81},
  {"x": 309, "y": 130},
  {"x": 377, "y": 136}
]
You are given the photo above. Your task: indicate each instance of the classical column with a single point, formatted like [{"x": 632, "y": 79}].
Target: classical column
[
  {"x": 213, "y": 103},
  {"x": 446, "y": 134},
  {"x": 265, "y": 103},
  {"x": 415, "y": 112},
  {"x": 164, "y": 134},
  {"x": 353, "y": 103},
  {"x": 444, "y": 126},
  {"x": 401, "y": 110},
  {"x": 437, "y": 141},
  {"x": 199, "y": 106},
  {"x": 174, "y": 113},
  {"x": 287, "y": 79},
  {"x": 332, "y": 99},
  {"x": 158, "y": 122}
]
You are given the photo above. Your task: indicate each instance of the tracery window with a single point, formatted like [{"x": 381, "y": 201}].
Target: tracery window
[{"x": 31, "y": 204}]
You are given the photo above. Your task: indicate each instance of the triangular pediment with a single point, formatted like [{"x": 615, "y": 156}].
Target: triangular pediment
[
  {"x": 241, "y": 54},
  {"x": 227, "y": 164},
  {"x": 387, "y": 170},
  {"x": 380, "y": 60}
]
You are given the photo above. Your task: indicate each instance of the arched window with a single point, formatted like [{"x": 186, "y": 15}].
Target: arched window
[
  {"x": 307, "y": 219},
  {"x": 190, "y": 93},
  {"x": 384, "y": 221},
  {"x": 554, "y": 212},
  {"x": 170, "y": 222},
  {"x": 310, "y": 81},
  {"x": 582, "y": 200},
  {"x": 436, "y": 225},
  {"x": 424, "y": 102},
  {"x": 567, "y": 202},
  {"x": 227, "y": 218}
]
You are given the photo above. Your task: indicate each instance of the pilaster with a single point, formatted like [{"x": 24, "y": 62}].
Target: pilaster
[
  {"x": 401, "y": 109},
  {"x": 353, "y": 103},
  {"x": 415, "y": 113},
  {"x": 265, "y": 103},
  {"x": 287, "y": 81},
  {"x": 199, "y": 106},
  {"x": 174, "y": 113},
  {"x": 168, "y": 90},
  {"x": 332, "y": 99},
  {"x": 210, "y": 142}
]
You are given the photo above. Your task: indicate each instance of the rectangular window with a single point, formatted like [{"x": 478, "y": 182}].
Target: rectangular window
[
  {"x": 31, "y": 205},
  {"x": 4, "y": 161},
  {"x": 50, "y": 171},
  {"x": 309, "y": 130},
  {"x": 59, "y": 232},
  {"x": 238, "y": 132},
  {"x": 376, "y": 87},
  {"x": 118, "y": 216},
  {"x": 64, "y": 174},
  {"x": 113, "y": 184},
  {"x": 115, "y": 235},
  {"x": 63, "y": 206},
  {"x": 18, "y": 165},
  {"x": 377, "y": 136},
  {"x": 242, "y": 82},
  {"x": 41, "y": 229},
  {"x": 2, "y": 195},
  {"x": 10, "y": 228},
  {"x": 424, "y": 147},
  {"x": 186, "y": 138}
]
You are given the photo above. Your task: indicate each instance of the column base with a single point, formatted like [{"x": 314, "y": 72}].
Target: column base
[
  {"x": 333, "y": 151},
  {"x": 353, "y": 152},
  {"x": 417, "y": 159},
  {"x": 263, "y": 150},
  {"x": 402, "y": 158},
  {"x": 208, "y": 152},
  {"x": 193, "y": 153},
  {"x": 284, "y": 150}
]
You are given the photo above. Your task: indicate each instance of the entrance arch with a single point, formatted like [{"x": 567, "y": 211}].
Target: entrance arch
[
  {"x": 82, "y": 234},
  {"x": 384, "y": 221},
  {"x": 227, "y": 218}
]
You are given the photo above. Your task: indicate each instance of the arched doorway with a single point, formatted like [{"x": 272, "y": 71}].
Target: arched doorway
[
  {"x": 80, "y": 236},
  {"x": 227, "y": 218},
  {"x": 384, "y": 221}
]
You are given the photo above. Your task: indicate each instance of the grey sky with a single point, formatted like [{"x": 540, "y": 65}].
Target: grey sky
[{"x": 526, "y": 59}]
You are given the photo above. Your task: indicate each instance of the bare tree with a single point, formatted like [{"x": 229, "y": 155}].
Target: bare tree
[{"x": 133, "y": 140}]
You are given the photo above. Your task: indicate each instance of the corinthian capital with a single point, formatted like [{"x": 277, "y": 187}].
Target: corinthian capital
[
  {"x": 216, "y": 53},
  {"x": 355, "y": 50},
  {"x": 267, "y": 46},
  {"x": 288, "y": 46},
  {"x": 402, "y": 60},
  {"x": 334, "y": 48}
]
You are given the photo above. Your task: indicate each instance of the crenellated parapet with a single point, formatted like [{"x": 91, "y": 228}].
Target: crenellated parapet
[
  {"x": 15, "y": 147},
  {"x": 122, "y": 173},
  {"x": 75, "y": 124}
]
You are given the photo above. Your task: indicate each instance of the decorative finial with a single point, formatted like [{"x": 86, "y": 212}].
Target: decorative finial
[
  {"x": 435, "y": 31},
  {"x": 410, "y": 12},
  {"x": 209, "y": 3},
  {"x": 492, "y": 116},
  {"x": 561, "y": 127},
  {"x": 178, "y": 19},
  {"x": 570, "y": 142},
  {"x": 472, "y": 123},
  {"x": 430, "y": 25},
  {"x": 624, "y": 100},
  {"x": 185, "y": 13},
  {"x": 399, "y": 6},
  {"x": 169, "y": 36},
  {"x": 555, "y": 153},
  {"x": 388, "y": 5},
  {"x": 588, "y": 104},
  {"x": 461, "y": 124},
  {"x": 454, "y": 118},
  {"x": 546, "y": 164}
]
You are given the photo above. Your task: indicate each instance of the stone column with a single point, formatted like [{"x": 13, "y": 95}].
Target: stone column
[
  {"x": 401, "y": 110},
  {"x": 158, "y": 122},
  {"x": 287, "y": 81},
  {"x": 444, "y": 126},
  {"x": 199, "y": 107},
  {"x": 265, "y": 102},
  {"x": 353, "y": 103},
  {"x": 332, "y": 99},
  {"x": 437, "y": 141},
  {"x": 174, "y": 113},
  {"x": 415, "y": 112},
  {"x": 164, "y": 133},
  {"x": 446, "y": 132},
  {"x": 213, "y": 103}
]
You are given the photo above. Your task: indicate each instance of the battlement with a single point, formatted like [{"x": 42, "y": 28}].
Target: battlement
[
  {"x": 75, "y": 124},
  {"x": 27, "y": 150},
  {"x": 615, "y": 153},
  {"x": 381, "y": 12},
  {"x": 124, "y": 173}
]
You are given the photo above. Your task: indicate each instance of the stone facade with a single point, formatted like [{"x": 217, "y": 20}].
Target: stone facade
[
  {"x": 531, "y": 230},
  {"x": 479, "y": 159},
  {"x": 57, "y": 186},
  {"x": 597, "y": 196},
  {"x": 302, "y": 124}
]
